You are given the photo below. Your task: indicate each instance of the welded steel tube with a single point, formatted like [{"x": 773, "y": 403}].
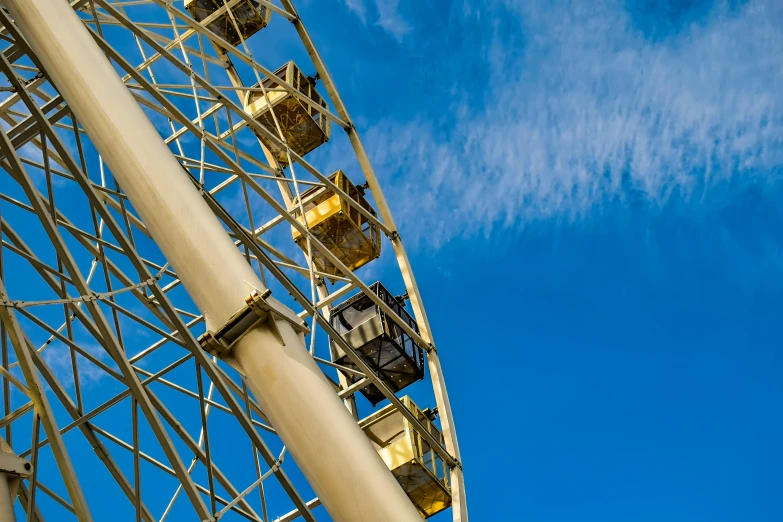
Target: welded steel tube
[{"x": 338, "y": 460}]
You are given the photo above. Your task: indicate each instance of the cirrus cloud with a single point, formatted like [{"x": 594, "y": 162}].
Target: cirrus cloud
[{"x": 580, "y": 108}]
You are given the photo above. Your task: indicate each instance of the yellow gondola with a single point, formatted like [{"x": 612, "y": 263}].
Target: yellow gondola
[
  {"x": 417, "y": 467},
  {"x": 340, "y": 227},
  {"x": 303, "y": 126}
]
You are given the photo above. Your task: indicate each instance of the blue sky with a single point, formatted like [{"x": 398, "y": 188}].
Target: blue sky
[
  {"x": 598, "y": 185},
  {"x": 589, "y": 192}
]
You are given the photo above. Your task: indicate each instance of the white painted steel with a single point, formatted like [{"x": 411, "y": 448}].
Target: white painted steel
[
  {"x": 337, "y": 459},
  {"x": 6, "y": 500}
]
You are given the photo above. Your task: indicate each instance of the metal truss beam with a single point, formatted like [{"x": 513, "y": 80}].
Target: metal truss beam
[
  {"x": 110, "y": 342},
  {"x": 459, "y": 502},
  {"x": 169, "y": 309},
  {"x": 39, "y": 399},
  {"x": 28, "y": 128}
]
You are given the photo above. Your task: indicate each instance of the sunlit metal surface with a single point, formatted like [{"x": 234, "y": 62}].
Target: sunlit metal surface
[{"x": 106, "y": 390}]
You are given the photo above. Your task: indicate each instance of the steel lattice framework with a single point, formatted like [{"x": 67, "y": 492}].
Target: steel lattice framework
[{"x": 106, "y": 389}]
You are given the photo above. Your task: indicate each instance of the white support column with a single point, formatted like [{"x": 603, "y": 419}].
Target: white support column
[
  {"x": 6, "y": 499},
  {"x": 12, "y": 470},
  {"x": 338, "y": 460}
]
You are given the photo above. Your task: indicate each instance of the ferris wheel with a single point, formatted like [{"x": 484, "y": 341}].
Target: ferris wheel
[{"x": 207, "y": 309}]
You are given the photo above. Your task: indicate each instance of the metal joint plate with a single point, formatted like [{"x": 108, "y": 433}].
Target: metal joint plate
[{"x": 259, "y": 308}]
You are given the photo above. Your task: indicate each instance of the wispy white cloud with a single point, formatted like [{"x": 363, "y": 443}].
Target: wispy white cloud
[
  {"x": 390, "y": 19},
  {"x": 388, "y": 16},
  {"x": 358, "y": 7},
  {"x": 589, "y": 111}
]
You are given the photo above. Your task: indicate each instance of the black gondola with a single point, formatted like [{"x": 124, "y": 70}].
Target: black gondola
[{"x": 385, "y": 346}]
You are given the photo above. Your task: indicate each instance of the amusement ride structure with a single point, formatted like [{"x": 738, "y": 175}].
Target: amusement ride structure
[{"x": 190, "y": 328}]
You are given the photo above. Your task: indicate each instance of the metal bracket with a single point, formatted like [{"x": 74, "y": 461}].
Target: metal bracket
[
  {"x": 15, "y": 468},
  {"x": 259, "y": 308}
]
